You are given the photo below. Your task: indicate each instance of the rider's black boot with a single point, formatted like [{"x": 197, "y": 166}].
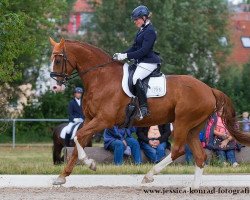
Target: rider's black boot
[
  {"x": 141, "y": 94},
  {"x": 67, "y": 140}
]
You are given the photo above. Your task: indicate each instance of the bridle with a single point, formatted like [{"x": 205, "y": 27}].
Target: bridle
[{"x": 64, "y": 75}]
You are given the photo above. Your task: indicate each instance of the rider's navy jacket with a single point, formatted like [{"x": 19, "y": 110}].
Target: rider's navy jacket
[
  {"x": 74, "y": 110},
  {"x": 142, "y": 49}
]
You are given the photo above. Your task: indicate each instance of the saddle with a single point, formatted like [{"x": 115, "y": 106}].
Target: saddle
[
  {"x": 145, "y": 81},
  {"x": 154, "y": 84}
]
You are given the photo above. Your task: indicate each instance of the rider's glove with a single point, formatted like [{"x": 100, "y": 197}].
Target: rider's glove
[
  {"x": 76, "y": 120},
  {"x": 120, "y": 56}
]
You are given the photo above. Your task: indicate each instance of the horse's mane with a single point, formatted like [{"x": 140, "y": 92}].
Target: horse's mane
[{"x": 88, "y": 46}]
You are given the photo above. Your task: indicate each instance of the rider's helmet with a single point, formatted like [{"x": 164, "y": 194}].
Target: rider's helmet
[
  {"x": 139, "y": 12},
  {"x": 78, "y": 90}
]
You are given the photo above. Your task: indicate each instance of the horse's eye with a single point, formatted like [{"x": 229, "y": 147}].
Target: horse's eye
[{"x": 58, "y": 62}]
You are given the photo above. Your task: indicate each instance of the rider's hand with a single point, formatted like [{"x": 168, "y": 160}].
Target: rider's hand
[
  {"x": 156, "y": 142},
  {"x": 224, "y": 143},
  {"x": 151, "y": 143},
  {"x": 120, "y": 56}
]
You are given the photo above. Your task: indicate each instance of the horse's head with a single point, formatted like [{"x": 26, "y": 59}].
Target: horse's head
[{"x": 61, "y": 66}]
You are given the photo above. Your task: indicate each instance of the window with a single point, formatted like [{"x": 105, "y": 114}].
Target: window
[
  {"x": 223, "y": 41},
  {"x": 245, "y": 42}
]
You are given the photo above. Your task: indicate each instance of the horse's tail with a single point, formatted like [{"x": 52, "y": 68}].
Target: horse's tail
[{"x": 229, "y": 117}]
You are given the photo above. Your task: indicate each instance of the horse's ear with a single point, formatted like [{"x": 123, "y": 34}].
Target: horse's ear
[
  {"x": 52, "y": 42},
  {"x": 61, "y": 45}
]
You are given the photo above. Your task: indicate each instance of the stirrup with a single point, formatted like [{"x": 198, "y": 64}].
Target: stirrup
[{"x": 143, "y": 112}]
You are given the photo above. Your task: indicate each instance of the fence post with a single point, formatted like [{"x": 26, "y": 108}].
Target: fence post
[{"x": 14, "y": 133}]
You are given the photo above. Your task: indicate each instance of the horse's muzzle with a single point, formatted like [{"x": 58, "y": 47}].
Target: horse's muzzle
[{"x": 63, "y": 77}]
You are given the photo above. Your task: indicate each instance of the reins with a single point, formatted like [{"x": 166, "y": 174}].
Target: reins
[
  {"x": 75, "y": 74},
  {"x": 65, "y": 76}
]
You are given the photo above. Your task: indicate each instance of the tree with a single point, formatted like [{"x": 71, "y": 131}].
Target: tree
[
  {"x": 188, "y": 33},
  {"x": 246, "y": 87},
  {"x": 11, "y": 31},
  {"x": 234, "y": 81},
  {"x": 25, "y": 27},
  {"x": 231, "y": 84},
  {"x": 24, "y": 30}
]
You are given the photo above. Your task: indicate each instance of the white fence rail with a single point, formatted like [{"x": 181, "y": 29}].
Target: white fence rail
[{"x": 27, "y": 120}]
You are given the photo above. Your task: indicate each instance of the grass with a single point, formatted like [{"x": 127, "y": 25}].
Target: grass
[{"x": 37, "y": 159}]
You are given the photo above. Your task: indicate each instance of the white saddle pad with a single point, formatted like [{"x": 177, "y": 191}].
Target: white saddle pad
[
  {"x": 157, "y": 85},
  {"x": 63, "y": 132}
]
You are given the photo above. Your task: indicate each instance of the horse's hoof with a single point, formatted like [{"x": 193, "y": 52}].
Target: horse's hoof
[
  {"x": 93, "y": 165},
  {"x": 147, "y": 179},
  {"x": 59, "y": 180}
]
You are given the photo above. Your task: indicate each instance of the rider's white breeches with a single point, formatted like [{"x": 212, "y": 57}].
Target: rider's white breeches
[
  {"x": 68, "y": 128},
  {"x": 143, "y": 70}
]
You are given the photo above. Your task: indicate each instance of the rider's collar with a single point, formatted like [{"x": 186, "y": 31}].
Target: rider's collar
[
  {"x": 78, "y": 101},
  {"x": 144, "y": 25}
]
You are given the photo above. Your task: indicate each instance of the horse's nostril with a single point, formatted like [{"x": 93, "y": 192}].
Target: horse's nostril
[{"x": 54, "y": 87}]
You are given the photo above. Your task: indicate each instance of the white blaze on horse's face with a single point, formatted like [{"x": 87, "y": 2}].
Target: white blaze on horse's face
[
  {"x": 57, "y": 47},
  {"x": 53, "y": 84}
]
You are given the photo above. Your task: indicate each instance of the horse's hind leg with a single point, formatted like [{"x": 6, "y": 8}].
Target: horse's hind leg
[
  {"x": 198, "y": 154},
  {"x": 180, "y": 135}
]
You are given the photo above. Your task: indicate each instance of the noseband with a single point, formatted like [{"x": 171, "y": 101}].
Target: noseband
[{"x": 64, "y": 75}]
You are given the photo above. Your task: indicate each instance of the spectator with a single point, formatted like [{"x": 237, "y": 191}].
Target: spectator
[
  {"x": 121, "y": 142},
  {"x": 154, "y": 141},
  {"x": 246, "y": 122},
  {"x": 224, "y": 144},
  {"x": 188, "y": 155},
  {"x": 209, "y": 132}
]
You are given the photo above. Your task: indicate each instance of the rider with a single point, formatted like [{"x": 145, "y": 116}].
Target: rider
[
  {"x": 75, "y": 114},
  {"x": 142, "y": 52}
]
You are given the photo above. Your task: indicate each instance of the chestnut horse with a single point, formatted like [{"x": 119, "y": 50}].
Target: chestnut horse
[{"x": 187, "y": 104}]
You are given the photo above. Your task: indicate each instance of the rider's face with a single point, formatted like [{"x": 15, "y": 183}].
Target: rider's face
[
  {"x": 78, "y": 95},
  {"x": 139, "y": 22}
]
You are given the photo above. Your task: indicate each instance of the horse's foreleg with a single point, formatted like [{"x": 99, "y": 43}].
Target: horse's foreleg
[
  {"x": 82, "y": 156},
  {"x": 67, "y": 170},
  {"x": 83, "y": 137}
]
